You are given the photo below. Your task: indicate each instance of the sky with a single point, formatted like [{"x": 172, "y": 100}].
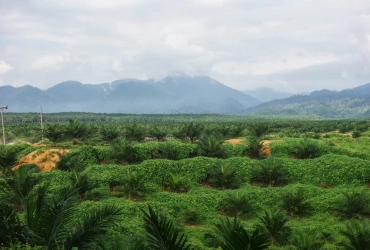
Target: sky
[{"x": 288, "y": 45}]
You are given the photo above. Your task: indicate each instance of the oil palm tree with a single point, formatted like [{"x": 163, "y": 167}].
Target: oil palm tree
[
  {"x": 271, "y": 172},
  {"x": 235, "y": 237},
  {"x": 210, "y": 145},
  {"x": 303, "y": 240},
  {"x": 357, "y": 233},
  {"x": 49, "y": 218},
  {"x": 273, "y": 223},
  {"x": 354, "y": 203}
]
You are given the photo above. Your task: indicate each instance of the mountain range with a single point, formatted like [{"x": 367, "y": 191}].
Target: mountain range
[
  {"x": 183, "y": 94},
  {"x": 179, "y": 94}
]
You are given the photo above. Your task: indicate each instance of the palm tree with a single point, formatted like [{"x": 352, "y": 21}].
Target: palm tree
[
  {"x": 271, "y": 173},
  {"x": 236, "y": 204},
  {"x": 161, "y": 232},
  {"x": 109, "y": 132},
  {"x": 294, "y": 202},
  {"x": 54, "y": 132},
  {"x": 258, "y": 130},
  {"x": 210, "y": 145},
  {"x": 255, "y": 147},
  {"x": 235, "y": 237},
  {"x": 135, "y": 132},
  {"x": 273, "y": 222},
  {"x": 158, "y": 133},
  {"x": 49, "y": 219},
  {"x": 7, "y": 159},
  {"x": 357, "y": 233},
  {"x": 303, "y": 240},
  {"x": 354, "y": 203},
  {"x": 306, "y": 149},
  {"x": 76, "y": 130}
]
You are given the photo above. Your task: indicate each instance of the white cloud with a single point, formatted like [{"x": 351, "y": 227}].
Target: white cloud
[
  {"x": 4, "y": 68},
  {"x": 269, "y": 42}
]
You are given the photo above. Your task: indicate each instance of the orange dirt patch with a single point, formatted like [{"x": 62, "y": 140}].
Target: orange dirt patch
[
  {"x": 268, "y": 142},
  {"x": 45, "y": 160},
  {"x": 233, "y": 141}
]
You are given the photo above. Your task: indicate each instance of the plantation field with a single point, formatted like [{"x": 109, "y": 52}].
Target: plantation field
[{"x": 288, "y": 184}]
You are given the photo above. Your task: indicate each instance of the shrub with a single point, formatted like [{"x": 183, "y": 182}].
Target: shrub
[
  {"x": 356, "y": 134},
  {"x": 79, "y": 159}
]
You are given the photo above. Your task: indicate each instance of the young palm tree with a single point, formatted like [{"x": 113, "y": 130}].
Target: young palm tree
[
  {"x": 255, "y": 147},
  {"x": 237, "y": 205},
  {"x": 358, "y": 235},
  {"x": 273, "y": 222},
  {"x": 49, "y": 219},
  {"x": 294, "y": 202},
  {"x": 210, "y": 145},
  {"x": 354, "y": 203},
  {"x": 54, "y": 132},
  {"x": 235, "y": 237},
  {"x": 135, "y": 132},
  {"x": 258, "y": 130},
  {"x": 303, "y": 240},
  {"x": 7, "y": 159},
  {"x": 109, "y": 132},
  {"x": 271, "y": 173},
  {"x": 161, "y": 232},
  {"x": 306, "y": 149},
  {"x": 76, "y": 130}
]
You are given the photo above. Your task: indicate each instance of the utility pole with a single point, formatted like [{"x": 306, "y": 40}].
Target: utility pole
[
  {"x": 2, "y": 121},
  {"x": 42, "y": 126}
]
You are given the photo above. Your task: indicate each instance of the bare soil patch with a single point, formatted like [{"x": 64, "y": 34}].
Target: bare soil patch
[
  {"x": 233, "y": 141},
  {"x": 46, "y": 160}
]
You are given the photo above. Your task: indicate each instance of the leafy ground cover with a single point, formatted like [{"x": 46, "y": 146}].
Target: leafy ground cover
[{"x": 309, "y": 192}]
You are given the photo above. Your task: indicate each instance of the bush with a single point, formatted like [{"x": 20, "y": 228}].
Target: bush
[{"x": 79, "y": 159}]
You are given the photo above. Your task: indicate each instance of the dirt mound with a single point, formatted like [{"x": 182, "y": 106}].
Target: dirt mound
[
  {"x": 46, "y": 160},
  {"x": 234, "y": 141}
]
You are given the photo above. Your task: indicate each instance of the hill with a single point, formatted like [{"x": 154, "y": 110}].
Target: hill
[
  {"x": 171, "y": 95},
  {"x": 348, "y": 103}
]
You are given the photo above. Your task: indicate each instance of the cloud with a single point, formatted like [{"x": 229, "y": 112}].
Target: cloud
[
  {"x": 298, "y": 45},
  {"x": 4, "y": 68}
]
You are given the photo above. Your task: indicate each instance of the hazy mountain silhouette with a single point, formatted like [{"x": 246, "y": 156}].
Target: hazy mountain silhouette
[
  {"x": 171, "y": 95},
  {"x": 347, "y": 103}
]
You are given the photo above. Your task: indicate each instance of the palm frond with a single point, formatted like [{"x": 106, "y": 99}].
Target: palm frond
[
  {"x": 93, "y": 225},
  {"x": 235, "y": 237},
  {"x": 162, "y": 233}
]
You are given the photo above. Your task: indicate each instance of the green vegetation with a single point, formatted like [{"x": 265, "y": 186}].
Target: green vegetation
[{"x": 174, "y": 182}]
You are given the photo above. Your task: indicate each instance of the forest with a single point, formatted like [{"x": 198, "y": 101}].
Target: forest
[{"x": 115, "y": 181}]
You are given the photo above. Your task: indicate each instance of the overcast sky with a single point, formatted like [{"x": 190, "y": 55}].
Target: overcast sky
[{"x": 288, "y": 45}]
